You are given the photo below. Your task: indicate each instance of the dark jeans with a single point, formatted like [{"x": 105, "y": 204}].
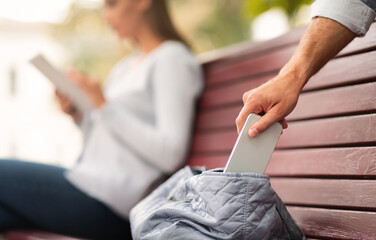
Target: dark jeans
[{"x": 38, "y": 196}]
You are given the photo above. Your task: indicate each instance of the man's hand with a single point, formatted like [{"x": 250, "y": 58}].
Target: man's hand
[
  {"x": 277, "y": 98},
  {"x": 274, "y": 100}
]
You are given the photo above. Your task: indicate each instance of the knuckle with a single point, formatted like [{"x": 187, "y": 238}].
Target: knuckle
[
  {"x": 237, "y": 120},
  {"x": 245, "y": 97},
  {"x": 278, "y": 110}
]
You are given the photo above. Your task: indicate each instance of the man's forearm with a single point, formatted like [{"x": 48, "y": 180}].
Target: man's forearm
[{"x": 322, "y": 41}]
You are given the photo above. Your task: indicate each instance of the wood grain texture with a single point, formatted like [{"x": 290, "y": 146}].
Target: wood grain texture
[
  {"x": 248, "y": 67},
  {"x": 318, "y": 104},
  {"x": 357, "y": 162},
  {"x": 353, "y": 130},
  {"x": 209, "y": 161},
  {"x": 212, "y": 142},
  {"x": 332, "y": 162},
  {"x": 362, "y": 44},
  {"x": 339, "y": 131},
  {"x": 347, "y": 70},
  {"x": 218, "y": 118},
  {"x": 338, "y": 101},
  {"x": 221, "y": 57},
  {"x": 335, "y": 224},
  {"x": 258, "y": 57},
  {"x": 231, "y": 93},
  {"x": 339, "y": 193}
]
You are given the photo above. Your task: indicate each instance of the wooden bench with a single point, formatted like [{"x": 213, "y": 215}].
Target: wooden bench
[{"x": 324, "y": 168}]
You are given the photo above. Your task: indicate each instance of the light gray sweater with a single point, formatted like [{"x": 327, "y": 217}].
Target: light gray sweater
[{"x": 144, "y": 129}]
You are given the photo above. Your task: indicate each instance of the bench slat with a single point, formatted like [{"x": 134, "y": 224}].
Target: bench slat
[
  {"x": 230, "y": 94},
  {"x": 353, "y": 130},
  {"x": 325, "y": 103},
  {"x": 273, "y": 61},
  {"x": 335, "y": 224},
  {"x": 332, "y": 162},
  {"x": 339, "y": 193},
  {"x": 355, "y": 162},
  {"x": 362, "y": 44},
  {"x": 338, "y": 101},
  {"x": 348, "y": 70},
  {"x": 222, "y": 57},
  {"x": 228, "y": 56},
  {"x": 209, "y": 161},
  {"x": 261, "y": 64},
  {"x": 334, "y": 131},
  {"x": 333, "y": 74}
]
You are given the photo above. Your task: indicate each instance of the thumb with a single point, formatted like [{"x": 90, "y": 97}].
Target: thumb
[
  {"x": 247, "y": 109},
  {"x": 264, "y": 122}
]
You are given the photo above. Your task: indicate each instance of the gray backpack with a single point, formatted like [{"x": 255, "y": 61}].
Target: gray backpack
[{"x": 213, "y": 205}]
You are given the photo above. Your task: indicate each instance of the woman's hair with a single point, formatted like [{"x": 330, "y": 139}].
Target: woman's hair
[{"x": 160, "y": 22}]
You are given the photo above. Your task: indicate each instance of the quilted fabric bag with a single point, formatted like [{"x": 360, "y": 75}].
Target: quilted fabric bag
[{"x": 213, "y": 205}]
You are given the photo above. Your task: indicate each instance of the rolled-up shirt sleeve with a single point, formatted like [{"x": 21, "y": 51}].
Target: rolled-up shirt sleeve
[{"x": 355, "y": 15}]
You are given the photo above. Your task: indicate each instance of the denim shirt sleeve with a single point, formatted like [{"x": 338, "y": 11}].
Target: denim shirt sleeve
[
  {"x": 353, "y": 14},
  {"x": 370, "y": 3}
]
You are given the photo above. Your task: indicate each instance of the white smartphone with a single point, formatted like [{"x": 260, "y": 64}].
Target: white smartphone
[{"x": 253, "y": 154}]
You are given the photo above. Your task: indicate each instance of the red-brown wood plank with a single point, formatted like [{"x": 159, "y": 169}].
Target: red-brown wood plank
[
  {"x": 218, "y": 118},
  {"x": 362, "y": 44},
  {"x": 214, "y": 142},
  {"x": 349, "y": 70},
  {"x": 209, "y": 161},
  {"x": 353, "y": 130},
  {"x": 325, "y": 103},
  {"x": 236, "y": 60},
  {"x": 227, "y": 55},
  {"x": 219, "y": 58},
  {"x": 349, "y": 162},
  {"x": 335, "y": 224},
  {"x": 334, "y": 131},
  {"x": 230, "y": 94},
  {"x": 346, "y": 100},
  {"x": 358, "y": 68},
  {"x": 261, "y": 64},
  {"x": 339, "y": 193},
  {"x": 321, "y": 162}
]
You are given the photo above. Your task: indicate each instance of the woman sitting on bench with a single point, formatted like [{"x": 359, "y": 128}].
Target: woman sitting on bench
[{"x": 138, "y": 132}]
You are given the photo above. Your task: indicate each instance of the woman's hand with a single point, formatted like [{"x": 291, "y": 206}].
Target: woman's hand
[
  {"x": 67, "y": 106},
  {"x": 90, "y": 86}
]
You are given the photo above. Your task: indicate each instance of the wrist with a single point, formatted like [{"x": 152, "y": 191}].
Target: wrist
[{"x": 294, "y": 78}]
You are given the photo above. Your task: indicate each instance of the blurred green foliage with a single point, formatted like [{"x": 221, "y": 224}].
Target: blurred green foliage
[
  {"x": 225, "y": 25},
  {"x": 90, "y": 45},
  {"x": 210, "y": 24},
  {"x": 254, "y": 8}
]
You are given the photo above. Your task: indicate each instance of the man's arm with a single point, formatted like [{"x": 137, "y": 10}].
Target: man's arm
[
  {"x": 323, "y": 39},
  {"x": 277, "y": 98}
]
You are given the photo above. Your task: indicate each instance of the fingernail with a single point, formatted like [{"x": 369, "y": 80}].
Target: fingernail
[{"x": 253, "y": 132}]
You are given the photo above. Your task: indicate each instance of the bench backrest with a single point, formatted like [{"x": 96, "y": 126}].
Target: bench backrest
[{"x": 324, "y": 167}]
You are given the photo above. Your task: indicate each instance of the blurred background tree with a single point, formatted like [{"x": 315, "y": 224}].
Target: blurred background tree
[
  {"x": 223, "y": 25},
  {"x": 253, "y": 8},
  {"x": 207, "y": 25},
  {"x": 89, "y": 44}
]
